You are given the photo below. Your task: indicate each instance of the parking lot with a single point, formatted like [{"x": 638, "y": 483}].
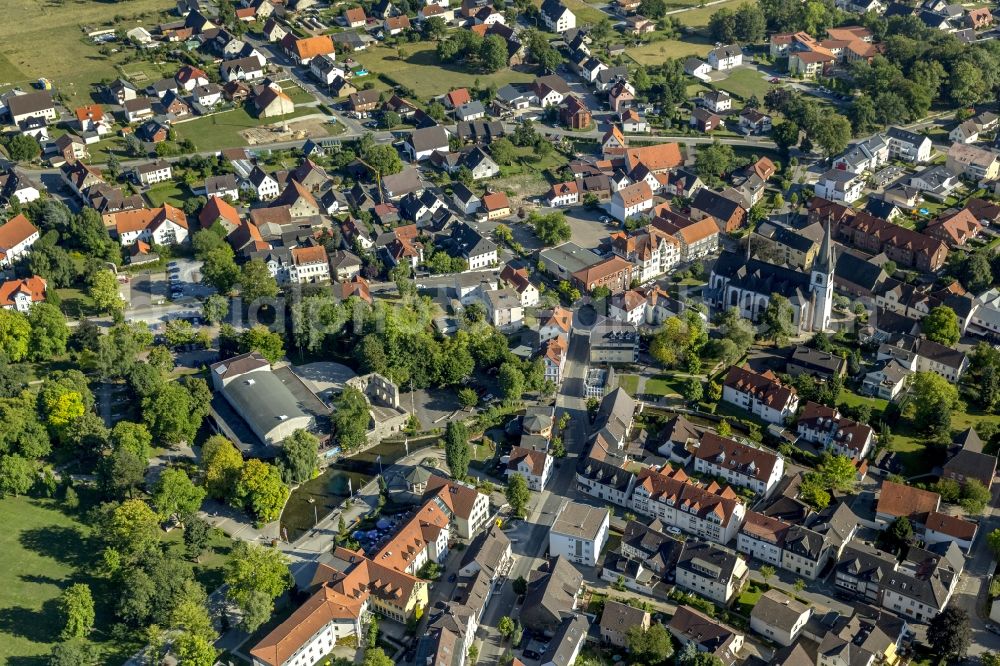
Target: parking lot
[{"x": 181, "y": 280}]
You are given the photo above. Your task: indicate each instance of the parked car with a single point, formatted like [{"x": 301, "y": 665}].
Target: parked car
[
  {"x": 452, "y": 578},
  {"x": 531, "y": 654}
]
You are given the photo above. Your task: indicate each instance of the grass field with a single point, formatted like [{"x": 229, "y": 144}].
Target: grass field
[
  {"x": 298, "y": 95},
  {"x": 584, "y": 12},
  {"x": 45, "y": 550},
  {"x": 698, "y": 17},
  {"x": 423, "y": 72},
  {"x": 222, "y": 130},
  {"x": 745, "y": 83},
  {"x": 654, "y": 53},
  {"x": 629, "y": 384},
  {"x": 42, "y": 38},
  {"x": 169, "y": 192}
]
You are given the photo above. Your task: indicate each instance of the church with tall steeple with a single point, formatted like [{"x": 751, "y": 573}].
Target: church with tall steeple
[{"x": 745, "y": 283}]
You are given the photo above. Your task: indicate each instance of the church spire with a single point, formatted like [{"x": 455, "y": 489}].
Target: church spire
[{"x": 824, "y": 262}]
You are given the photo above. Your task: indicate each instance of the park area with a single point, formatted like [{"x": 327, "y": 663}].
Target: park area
[
  {"x": 698, "y": 17},
  {"x": 44, "y": 548},
  {"x": 421, "y": 71},
  {"x": 48, "y": 39}
]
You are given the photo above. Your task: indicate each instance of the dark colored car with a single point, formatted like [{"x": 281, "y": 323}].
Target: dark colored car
[
  {"x": 452, "y": 578},
  {"x": 531, "y": 654}
]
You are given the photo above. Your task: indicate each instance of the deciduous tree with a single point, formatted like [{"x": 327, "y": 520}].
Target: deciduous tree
[
  {"x": 76, "y": 605},
  {"x": 260, "y": 490},
  {"x": 517, "y": 494}
]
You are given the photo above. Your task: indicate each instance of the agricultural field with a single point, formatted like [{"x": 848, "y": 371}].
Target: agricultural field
[
  {"x": 423, "y": 72},
  {"x": 654, "y": 53},
  {"x": 40, "y": 38}
]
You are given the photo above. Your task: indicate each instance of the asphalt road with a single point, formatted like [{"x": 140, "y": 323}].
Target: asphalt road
[{"x": 532, "y": 533}]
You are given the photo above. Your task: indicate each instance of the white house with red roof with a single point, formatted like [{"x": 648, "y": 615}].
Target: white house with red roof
[
  {"x": 21, "y": 294},
  {"x": 165, "y": 225},
  {"x": 761, "y": 394},
  {"x": 16, "y": 238},
  {"x": 189, "y": 78}
]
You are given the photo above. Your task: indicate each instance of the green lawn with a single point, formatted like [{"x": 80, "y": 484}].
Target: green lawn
[
  {"x": 298, "y": 95},
  {"x": 749, "y": 598},
  {"x": 425, "y": 74},
  {"x": 170, "y": 192},
  {"x": 853, "y": 400},
  {"x": 629, "y": 384},
  {"x": 698, "y": 17},
  {"x": 76, "y": 303},
  {"x": 45, "y": 550},
  {"x": 222, "y": 130},
  {"x": 585, "y": 14},
  {"x": 663, "y": 385},
  {"x": 654, "y": 53},
  {"x": 744, "y": 83}
]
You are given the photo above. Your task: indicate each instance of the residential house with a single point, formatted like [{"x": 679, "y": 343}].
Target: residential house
[
  {"x": 137, "y": 109},
  {"x": 32, "y": 105},
  {"x": 840, "y": 185},
  {"x": 496, "y": 205},
  {"x": 302, "y": 51},
  {"x": 711, "y": 512},
  {"x": 739, "y": 464},
  {"x": 557, "y": 17},
  {"x": 190, "y": 77},
  {"x": 270, "y": 101},
  {"x": 579, "y": 533},
  {"x": 422, "y": 143},
  {"x": 242, "y": 69},
  {"x": 727, "y": 213},
  {"x": 467, "y": 508},
  {"x": 17, "y": 235},
  {"x": 22, "y": 294},
  {"x": 760, "y": 394},
  {"x": 896, "y": 500},
  {"x": 151, "y": 173},
  {"x": 754, "y": 123},
  {"x": 534, "y": 465},
  {"x": 364, "y": 101},
  {"x": 724, "y": 58},
  {"x": 976, "y": 163},
  {"x": 310, "y": 264},
  {"x": 711, "y": 571},
  {"x": 865, "y": 156},
  {"x": 165, "y": 225},
  {"x": 553, "y": 592},
  {"x": 708, "y": 635},
  {"x": 908, "y": 146},
  {"x": 550, "y": 90},
  {"x": 716, "y": 101},
  {"x": 631, "y": 200},
  {"x": 825, "y": 426},
  {"x": 617, "y": 620},
  {"x": 778, "y": 617},
  {"x": 263, "y": 184}
]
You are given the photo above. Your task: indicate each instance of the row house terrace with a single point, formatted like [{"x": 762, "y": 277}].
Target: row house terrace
[{"x": 712, "y": 512}]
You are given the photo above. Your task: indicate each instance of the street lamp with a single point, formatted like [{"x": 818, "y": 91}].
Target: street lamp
[{"x": 312, "y": 500}]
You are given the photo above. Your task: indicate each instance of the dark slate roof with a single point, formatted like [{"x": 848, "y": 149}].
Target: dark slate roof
[
  {"x": 759, "y": 276},
  {"x": 856, "y": 270}
]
